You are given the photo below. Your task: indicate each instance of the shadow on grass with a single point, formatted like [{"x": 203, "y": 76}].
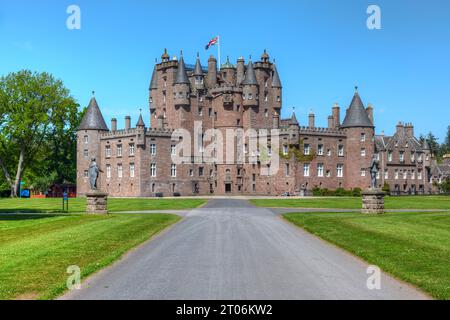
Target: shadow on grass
[{"x": 19, "y": 217}]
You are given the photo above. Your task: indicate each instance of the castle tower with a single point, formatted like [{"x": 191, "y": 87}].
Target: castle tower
[
  {"x": 153, "y": 89},
  {"x": 88, "y": 144},
  {"x": 250, "y": 87},
  {"x": 360, "y": 146},
  {"x": 228, "y": 72},
  {"x": 198, "y": 75},
  {"x": 181, "y": 85},
  {"x": 140, "y": 132},
  {"x": 240, "y": 71},
  {"x": 276, "y": 89}
]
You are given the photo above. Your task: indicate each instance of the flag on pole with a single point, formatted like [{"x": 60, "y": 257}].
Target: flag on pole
[{"x": 212, "y": 43}]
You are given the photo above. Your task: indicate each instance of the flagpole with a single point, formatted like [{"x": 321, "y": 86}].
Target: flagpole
[{"x": 218, "y": 38}]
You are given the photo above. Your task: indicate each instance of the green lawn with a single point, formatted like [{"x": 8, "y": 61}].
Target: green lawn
[
  {"x": 78, "y": 205},
  {"x": 408, "y": 202},
  {"x": 414, "y": 247},
  {"x": 35, "y": 250}
]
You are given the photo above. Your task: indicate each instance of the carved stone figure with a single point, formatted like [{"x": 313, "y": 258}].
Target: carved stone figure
[
  {"x": 374, "y": 169},
  {"x": 94, "y": 171}
]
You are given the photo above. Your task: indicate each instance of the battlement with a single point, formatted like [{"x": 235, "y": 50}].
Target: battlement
[
  {"x": 149, "y": 132},
  {"x": 316, "y": 131}
]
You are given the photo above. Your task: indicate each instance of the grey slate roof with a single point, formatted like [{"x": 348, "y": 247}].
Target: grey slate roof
[
  {"x": 276, "y": 82},
  {"x": 181, "y": 76},
  {"x": 250, "y": 76},
  {"x": 198, "y": 71},
  {"x": 140, "y": 122},
  {"x": 399, "y": 139},
  {"x": 93, "y": 118},
  {"x": 154, "y": 82},
  {"x": 294, "y": 119},
  {"x": 356, "y": 114}
]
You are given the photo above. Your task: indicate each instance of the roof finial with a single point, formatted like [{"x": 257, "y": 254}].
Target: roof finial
[
  {"x": 140, "y": 110},
  {"x": 181, "y": 52},
  {"x": 93, "y": 93},
  {"x": 198, "y": 55},
  {"x": 356, "y": 89},
  {"x": 250, "y": 57}
]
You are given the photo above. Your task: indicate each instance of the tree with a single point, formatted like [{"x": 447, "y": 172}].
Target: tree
[
  {"x": 433, "y": 143},
  {"x": 447, "y": 141},
  {"x": 35, "y": 110}
]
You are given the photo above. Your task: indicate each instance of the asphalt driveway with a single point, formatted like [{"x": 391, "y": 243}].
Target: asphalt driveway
[{"x": 230, "y": 250}]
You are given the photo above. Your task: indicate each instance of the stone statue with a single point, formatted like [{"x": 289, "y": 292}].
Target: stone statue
[
  {"x": 374, "y": 169},
  {"x": 94, "y": 171}
]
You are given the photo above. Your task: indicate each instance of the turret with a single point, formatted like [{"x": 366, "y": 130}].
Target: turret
[
  {"x": 181, "y": 85},
  {"x": 88, "y": 144},
  {"x": 228, "y": 72},
  {"x": 359, "y": 144},
  {"x": 250, "y": 87},
  {"x": 211, "y": 78},
  {"x": 153, "y": 89},
  {"x": 276, "y": 88},
  {"x": 198, "y": 74},
  {"x": 140, "y": 132}
]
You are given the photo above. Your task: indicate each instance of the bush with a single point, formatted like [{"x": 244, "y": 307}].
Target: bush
[
  {"x": 386, "y": 188},
  {"x": 357, "y": 192},
  {"x": 340, "y": 192}
]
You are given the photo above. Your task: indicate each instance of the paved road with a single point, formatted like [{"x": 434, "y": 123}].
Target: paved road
[{"x": 232, "y": 250}]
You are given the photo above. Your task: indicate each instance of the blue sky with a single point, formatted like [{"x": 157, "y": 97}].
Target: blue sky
[{"x": 323, "y": 49}]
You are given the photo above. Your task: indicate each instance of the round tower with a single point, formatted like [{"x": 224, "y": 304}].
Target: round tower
[
  {"x": 88, "y": 145},
  {"x": 360, "y": 146},
  {"x": 250, "y": 87},
  {"x": 181, "y": 85}
]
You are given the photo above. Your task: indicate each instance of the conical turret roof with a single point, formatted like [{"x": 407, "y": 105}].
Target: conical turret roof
[
  {"x": 250, "y": 76},
  {"x": 154, "y": 82},
  {"x": 93, "y": 118},
  {"x": 140, "y": 122},
  {"x": 198, "y": 71},
  {"x": 181, "y": 76},
  {"x": 356, "y": 114},
  {"x": 276, "y": 82}
]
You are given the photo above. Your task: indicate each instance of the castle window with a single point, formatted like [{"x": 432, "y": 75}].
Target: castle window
[
  {"x": 210, "y": 112},
  {"x": 86, "y": 174},
  {"x": 266, "y": 97},
  {"x": 108, "y": 151},
  {"x": 320, "y": 150},
  {"x": 132, "y": 149},
  {"x": 285, "y": 150},
  {"x": 390, "y": 156},
  {"x": 132, "y": 170},
  {"x": 266, "y": 113},
  {"x": 278, "y": 98},
  {"x": 419, "y": 174},
  {"x": 119, "y": 171},
  {"x": 85, "y": 153},
  {"x": 173, "y": 150},
  {"x": 341, "y": 151},
  {"x": 153, "y": 149},
  {"x": 396, "y": 174},
  {"x": 119, "y": 150},
  {"x": 153, "y": 170},
  {"x": 153, "y": 187},
  {"x": 363, "y": 137},
  {"x": 340, "y": 170},
  {"x": 413, "y": 175},
  {"x": 200, "y": 111},
  {"x": 386, "y": 174},
  {"x": 320, "y": 170},
  {"x": 191, "y": 172},
  {"x": 307, "y": 149},
  {"x": 329, "y": 152},
  {"x": 238, "y": 122},
  {"x": 287, "y": 170},
  {"x": 402, "y": 156},
  {"x": 328, "y": 174},
  {"x": 164, "y": 96},
  {"x": 201, "y": 171},
  {"x": 413, "y": 157},
  {"x": 173, "y": 171},
  {"x": 420, "y": 158},
  {"x": 306, "y": 170},
  {"x": 108, "y": 171},
  {"x": 86, "y": 139},
  {"x": 363, "y": 172},
  {"x": 269, "y": 151},
  {"x": 363, "y": 152},
  {"x": 238, "y": 108},
  {"x": 405, "y": 175}
]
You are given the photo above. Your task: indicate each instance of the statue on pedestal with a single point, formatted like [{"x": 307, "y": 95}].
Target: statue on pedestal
[
  {"x": 374, "y": 169},
  {"x": 94, "y": 171}
]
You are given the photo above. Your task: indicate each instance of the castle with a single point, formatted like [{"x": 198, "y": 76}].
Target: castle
[{"x": 138, "y": 161}]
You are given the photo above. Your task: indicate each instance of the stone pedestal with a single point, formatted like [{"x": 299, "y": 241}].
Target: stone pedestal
[
  {"x": 97, "y": 202},
  {"x": 373, "y": 201}
]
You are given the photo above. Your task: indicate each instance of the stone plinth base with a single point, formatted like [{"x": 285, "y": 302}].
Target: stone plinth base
[
  {"x": 373, "y": 201},
  {"x": 97, "y": 202}
]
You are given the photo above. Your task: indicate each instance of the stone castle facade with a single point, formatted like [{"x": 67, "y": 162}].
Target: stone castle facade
[{"x": 137, "y": 161}]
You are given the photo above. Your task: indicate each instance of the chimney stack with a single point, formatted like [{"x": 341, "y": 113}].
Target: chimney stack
[
  {"x": 127, "y": 123},
  {"x": 240, "y": 73},
  {"x": 113, "y": 124},
  {"x": 369, "y": 111},
  {"x": 211, "y": 78},
  {"x": 409, "y": 129},
  {"x": 400, "y": 127},
  {"x": 312, "y": 122},
  {"x": 330, "y": 122},
  {"x": 336, "y": 116}
]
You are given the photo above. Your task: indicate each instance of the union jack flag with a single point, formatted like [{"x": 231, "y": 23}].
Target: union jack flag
[{"x": 212, "y": 43}]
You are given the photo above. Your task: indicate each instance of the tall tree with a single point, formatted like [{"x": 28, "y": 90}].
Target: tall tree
[
  {"x": 34, "y": 107},
  {"x": 433, "y": 143},
  {"x": 447, "y": 140}
]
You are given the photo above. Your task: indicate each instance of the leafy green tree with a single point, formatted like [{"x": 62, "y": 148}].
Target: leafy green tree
[
  {"x": 37, "y": 117},
  {"x": 433, "y": 143}
]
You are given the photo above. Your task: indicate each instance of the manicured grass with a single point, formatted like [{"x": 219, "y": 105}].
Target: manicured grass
[
  {"x": 407, "y": 202},
  {"x": 36, "y": 250},
  {"x": 414, "y": 247},
  {"x": 79, "y": 205}
]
